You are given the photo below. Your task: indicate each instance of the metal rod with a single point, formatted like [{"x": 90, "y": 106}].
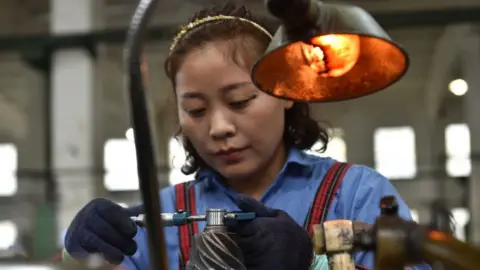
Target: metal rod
[
  {"x": 453, "y": 253},
  {"x": 137, "y": 71},
  {"x": 197, "y": 218}
]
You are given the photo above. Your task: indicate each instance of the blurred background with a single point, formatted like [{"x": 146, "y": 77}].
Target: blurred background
[{"x": 65, "y": 136}]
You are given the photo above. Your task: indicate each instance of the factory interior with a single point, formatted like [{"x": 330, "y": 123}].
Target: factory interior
[{"x": 66, "y": 135}]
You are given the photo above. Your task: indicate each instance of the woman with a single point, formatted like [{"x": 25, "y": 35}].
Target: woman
[{"x": 239, "y": 141}]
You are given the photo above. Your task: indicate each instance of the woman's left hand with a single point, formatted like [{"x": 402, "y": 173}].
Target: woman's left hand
[{"x": 273, "y": 240}]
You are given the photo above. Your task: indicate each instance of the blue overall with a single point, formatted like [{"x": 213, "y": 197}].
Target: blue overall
[{"x": 293, "y": 191}]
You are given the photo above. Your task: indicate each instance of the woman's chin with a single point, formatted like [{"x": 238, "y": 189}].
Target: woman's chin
[{"x": 236, "y": 172}]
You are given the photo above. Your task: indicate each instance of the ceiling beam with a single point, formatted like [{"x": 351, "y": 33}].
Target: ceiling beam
[{"x": 389, "y": 20}]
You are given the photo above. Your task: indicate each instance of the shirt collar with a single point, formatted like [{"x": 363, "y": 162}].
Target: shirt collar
[
  {"x": 299, "y": 157},
  {"x": 295, "y": 157}
]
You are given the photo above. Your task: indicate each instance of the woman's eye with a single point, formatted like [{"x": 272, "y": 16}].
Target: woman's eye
[
  {"x": 196, "y": 112},
  {"x": 242, "y": 103}
]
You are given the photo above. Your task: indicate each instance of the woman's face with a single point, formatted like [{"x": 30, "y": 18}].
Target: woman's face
[{"x": 235, "y": 128}]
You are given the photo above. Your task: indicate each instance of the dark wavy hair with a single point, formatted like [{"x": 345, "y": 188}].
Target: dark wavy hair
[{"x": 301, "y": 130}]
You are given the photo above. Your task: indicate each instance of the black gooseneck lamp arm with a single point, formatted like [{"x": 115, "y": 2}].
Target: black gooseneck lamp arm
[
  {"x": 137, "y": 71},
  {"x": 298, "y": 15}
]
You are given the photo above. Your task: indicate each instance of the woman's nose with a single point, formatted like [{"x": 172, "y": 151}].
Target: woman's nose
[{"x": 221, "y": 127}]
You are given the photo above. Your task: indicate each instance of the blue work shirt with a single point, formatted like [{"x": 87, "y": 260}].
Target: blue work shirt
[{"x": 293, "y": 191}]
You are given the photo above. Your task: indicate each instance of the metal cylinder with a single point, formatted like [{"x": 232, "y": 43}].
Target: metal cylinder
[
  {"x": 214, "y": 248},
  {"x": 168, "y": 219},
  {"x": 215, "y": 220}
]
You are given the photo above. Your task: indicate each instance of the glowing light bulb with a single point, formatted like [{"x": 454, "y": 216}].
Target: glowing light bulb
[
  {"x": 458, "y": 87},
  {"x": 332, "y": 55}
]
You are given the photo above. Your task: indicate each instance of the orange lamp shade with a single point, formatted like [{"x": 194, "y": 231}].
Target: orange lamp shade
[{"x": 348, "y": 57}]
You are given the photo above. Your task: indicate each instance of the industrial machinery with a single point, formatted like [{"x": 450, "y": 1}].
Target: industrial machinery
[{"x": 397, "y": 243}]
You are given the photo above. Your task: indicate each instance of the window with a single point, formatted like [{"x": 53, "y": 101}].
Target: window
[
  {"x": 461, "y": 216},
  {"x": 8, "y": 169},
  {"x": 120, "y": 163},
  {"x": 457, "y": 148},
  {"x": 337, "y": 148},
  {"x": 177, "y": 159},
  {"x": 394, "y": 150},
  {"x": 8, "y": 234}
]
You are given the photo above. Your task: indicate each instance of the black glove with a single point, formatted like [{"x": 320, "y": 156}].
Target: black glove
[
  {"x": 102, "y": 227},
  {"x": 273, "y": 240}
]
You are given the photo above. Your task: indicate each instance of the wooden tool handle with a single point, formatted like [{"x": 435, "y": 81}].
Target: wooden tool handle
[{"x": 335, "y": 239}]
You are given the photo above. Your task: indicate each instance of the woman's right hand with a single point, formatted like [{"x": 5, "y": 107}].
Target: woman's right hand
[{"x": 102, "y": 227}]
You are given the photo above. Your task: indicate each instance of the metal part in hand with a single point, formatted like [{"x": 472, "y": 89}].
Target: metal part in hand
[
  {"x": 214, "y": 248},
  {"x": 213, "y": 217}
]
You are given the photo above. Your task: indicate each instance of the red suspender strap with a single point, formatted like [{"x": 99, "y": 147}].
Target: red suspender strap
[
  {"x": 185, "y": 200},
  {"x": 325, "y": 194}
]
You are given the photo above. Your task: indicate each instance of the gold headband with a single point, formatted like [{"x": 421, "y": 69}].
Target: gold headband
[{"x": 208, "y": 19}]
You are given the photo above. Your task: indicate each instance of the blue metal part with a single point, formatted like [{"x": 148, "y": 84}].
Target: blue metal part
[
  {"x": 183, "y": 217},
  {"x": 244, "y": 215},
  {"x": 180, "y": 218}
]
